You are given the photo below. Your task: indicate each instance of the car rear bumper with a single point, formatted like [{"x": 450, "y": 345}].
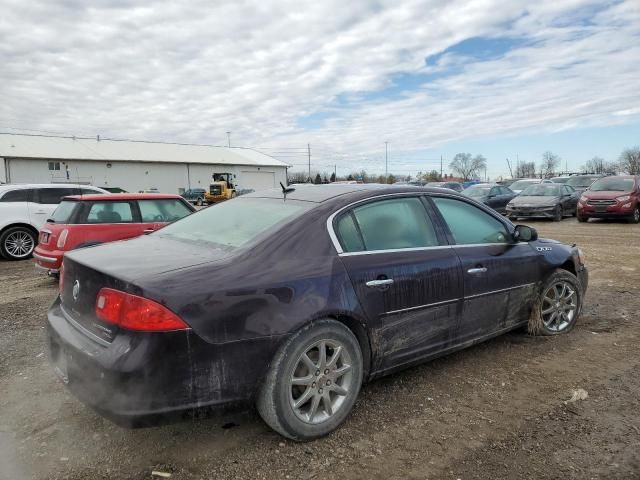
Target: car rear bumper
[
  {"x": 141, "y": 374},
  {"x": 50, "y": 260}
]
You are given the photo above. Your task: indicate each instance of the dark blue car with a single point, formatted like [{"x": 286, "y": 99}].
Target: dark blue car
[{"x": 292, "y": 299}]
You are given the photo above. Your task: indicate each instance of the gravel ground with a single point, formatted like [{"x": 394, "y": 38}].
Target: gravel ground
[{"x": 497, "y": 410}]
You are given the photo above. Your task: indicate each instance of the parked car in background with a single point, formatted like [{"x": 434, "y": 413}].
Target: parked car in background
[
  {"x": 560, "y": 179},
  {"x": 545, "y": 200},
  {"x": 294, "y": 304},
  {"x": 24, "y": 210},
  {"x": 455, "y": 186},
  {"x": 491, "y": 194},
  {"x": 195, "y": 196},
  {"x": 611, "y": 197},
  {"x": 83, "y": 221},
  {"x": 508, "y": 182},
  {"x": 520, "y": 185},
  {"x": 582, "y": 182}
]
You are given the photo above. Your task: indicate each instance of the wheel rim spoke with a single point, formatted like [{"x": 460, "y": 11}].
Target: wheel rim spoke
[
  {"x": 559, "y": 304},
  {"x": 321, "y": 381}
]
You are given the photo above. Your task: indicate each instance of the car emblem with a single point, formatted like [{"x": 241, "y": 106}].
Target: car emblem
[{"x": 76, "y": 289}]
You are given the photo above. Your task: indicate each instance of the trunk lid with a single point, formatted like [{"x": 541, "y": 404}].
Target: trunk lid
[{"x": 123, "y": 265}]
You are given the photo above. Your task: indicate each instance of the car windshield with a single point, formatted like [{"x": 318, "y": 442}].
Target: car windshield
[
  {"x": 476, "y": 191},
  {"x": 560, "y": 179},
  {"x": 522, "y": 184},
  {"x": 235, "y": 223},
  {"x": 580, "y": 182},
  {"x": 542, "y": 190},
  {"x": 612, "y": 184},
  {"x": 63, "y": 212}
]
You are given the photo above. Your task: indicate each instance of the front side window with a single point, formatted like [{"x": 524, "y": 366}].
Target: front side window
[
  {"x": 470, "y": 225},
  {"x": 21, "y": 195},
  {"x": 387, "y": 225},
  {"x": 237, "y": 222},
  {"x": 162, "y": 210},
  {"x": 53, "y": 196},
  {"x": 110, "y": 212}
]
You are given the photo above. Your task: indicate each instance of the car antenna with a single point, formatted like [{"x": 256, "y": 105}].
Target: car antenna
[{"x": 286, "y": 190}]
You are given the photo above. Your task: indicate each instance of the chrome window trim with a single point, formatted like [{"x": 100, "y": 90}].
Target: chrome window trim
[{"x": 341, "y": 252}]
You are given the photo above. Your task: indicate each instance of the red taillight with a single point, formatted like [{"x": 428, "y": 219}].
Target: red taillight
[{"x": 135, "y": 313}]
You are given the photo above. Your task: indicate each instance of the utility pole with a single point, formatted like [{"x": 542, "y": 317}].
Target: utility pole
[
  {"x": 229, "y": 139},
  {"x": 386, "y": 160},
  {"x": 510, "y": 171},
  {"x": 309, "y": 153},
  {"x": 335, "y": 172},
  {"x": 440, "y": 167}
]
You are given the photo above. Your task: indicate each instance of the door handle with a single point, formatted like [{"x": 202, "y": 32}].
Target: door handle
[
  {"x": 379, "y": 283},
  {"x": 475, "y": 271},
  {"x": 147, "y": 231},
  {"x": 40, "y": 211}
]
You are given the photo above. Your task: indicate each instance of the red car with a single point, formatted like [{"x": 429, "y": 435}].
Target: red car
[
  {"x": 85, "y": 220},
  {"x": 611, "y": 197}
]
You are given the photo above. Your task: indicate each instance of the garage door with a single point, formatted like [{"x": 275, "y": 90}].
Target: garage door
[{"x": 257, "y": 180}]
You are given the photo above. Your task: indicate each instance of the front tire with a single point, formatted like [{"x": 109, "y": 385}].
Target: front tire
[
  {"x": 313, "y": 381},
  {"x": 199, "y": 202},
  {"x": 559, "y": 304},
  {"x": 557, "y": 214},
  {"x": 17, "y": 243},
  {"x": 635, "y": 216},
  {"x": 581, "y": 218}
]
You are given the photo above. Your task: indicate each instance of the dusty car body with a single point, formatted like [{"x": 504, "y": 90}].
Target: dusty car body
[{"x": 236, "y": 314}]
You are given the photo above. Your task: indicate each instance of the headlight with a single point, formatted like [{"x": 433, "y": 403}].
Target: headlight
[
  {"x": 623, "y": 198},
  {"x": 583, "y": 199}
]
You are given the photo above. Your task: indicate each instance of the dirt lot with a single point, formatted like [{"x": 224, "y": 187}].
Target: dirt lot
[{"x": 493, "y": 411}]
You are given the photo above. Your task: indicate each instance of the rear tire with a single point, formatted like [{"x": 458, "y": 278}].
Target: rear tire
[
  {"x": 17, "y": 243},
  {"x": 306, "y": 394}
]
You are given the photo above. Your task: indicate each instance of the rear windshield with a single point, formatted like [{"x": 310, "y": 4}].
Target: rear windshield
[
  {"x": 522, "y": 184},
  {"x": 235, "y": 222},
  {"x": 580, "y": 182},
  {"x": 63, "y": 212},
  {"x": 612, "y": 184},
  {"x": 542, "y": 190}
]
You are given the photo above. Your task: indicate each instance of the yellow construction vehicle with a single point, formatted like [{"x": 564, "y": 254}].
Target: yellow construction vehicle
[{"x": 221, "y": 188}]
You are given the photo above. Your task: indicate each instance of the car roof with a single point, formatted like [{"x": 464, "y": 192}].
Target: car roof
[
  {"x": 484, "y": 185},
  {"x": 16, "y": 186},
  {"x": 112, "y": 197},
  {"x": 322, "y": 193}
]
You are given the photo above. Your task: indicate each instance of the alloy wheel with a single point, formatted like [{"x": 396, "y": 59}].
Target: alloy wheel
[
  {"x": 321, "y": 381},
  {"x": 559, "y": 306},
  {"x": 19, "y": 244}
]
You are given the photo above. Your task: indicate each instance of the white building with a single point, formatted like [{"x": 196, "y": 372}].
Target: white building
[{"x": 132, "y": 165}]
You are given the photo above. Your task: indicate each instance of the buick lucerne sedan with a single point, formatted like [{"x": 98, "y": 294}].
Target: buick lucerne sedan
[{"x": 292, "y": 299}]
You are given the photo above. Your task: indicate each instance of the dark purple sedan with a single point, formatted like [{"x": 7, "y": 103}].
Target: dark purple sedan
[{"x": 293, "y": 299}]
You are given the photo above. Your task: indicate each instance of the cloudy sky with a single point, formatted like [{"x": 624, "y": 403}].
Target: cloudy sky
[{"x": 505, "y": 79}]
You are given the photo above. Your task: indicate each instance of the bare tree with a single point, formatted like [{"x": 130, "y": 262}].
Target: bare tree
[
  {"x": 550, "y": 162},
  {"x": 526, "y": 170},
  {"x": 466, "y": 166},
  {"x": 599, "y": 165},
  {"x": 630, "y": 161}
]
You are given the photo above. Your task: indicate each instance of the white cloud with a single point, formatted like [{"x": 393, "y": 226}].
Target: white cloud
[{"x": 191, "y": 71}]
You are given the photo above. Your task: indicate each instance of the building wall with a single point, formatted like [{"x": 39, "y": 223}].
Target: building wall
[
  {"x": 3, "y": 173},
  {"x": 136, "y": 176}
]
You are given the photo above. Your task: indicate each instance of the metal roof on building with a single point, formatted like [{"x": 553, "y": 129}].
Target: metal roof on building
[{"x": 82, "y": 148}]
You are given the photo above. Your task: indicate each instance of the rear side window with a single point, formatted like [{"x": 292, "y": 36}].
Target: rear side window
[
  {"x": 63, "y": 212},
  {"x": 86, "y": 191},
  {"x": 162, "y": 210},
  {"x": 110, "y": 212},
  {"x": 348, "y": 234},
  {"x": 394, "y": 224},
  {"x": 470, "y": 225},
  {"x": 21, "y": 195},
  {"x": 52, "y": 196}
]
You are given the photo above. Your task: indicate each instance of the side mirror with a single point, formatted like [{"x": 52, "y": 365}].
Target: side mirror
[{"x": 522, "y": 233}]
